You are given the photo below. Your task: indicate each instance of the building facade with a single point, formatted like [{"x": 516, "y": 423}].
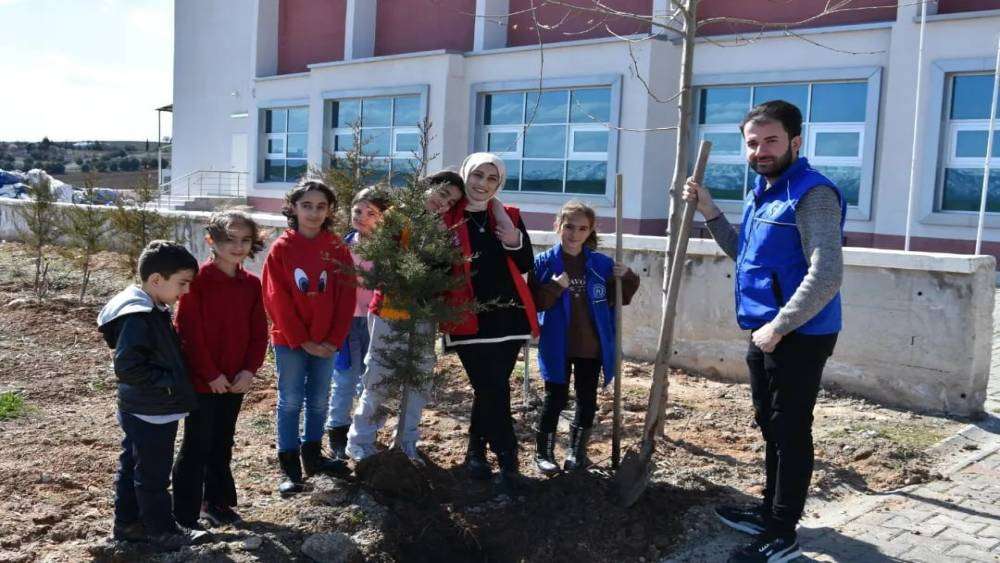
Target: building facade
[{"x": 273, "y": 87}]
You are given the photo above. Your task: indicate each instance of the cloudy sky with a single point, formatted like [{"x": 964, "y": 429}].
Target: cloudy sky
[{"x": 84, "y": 69}]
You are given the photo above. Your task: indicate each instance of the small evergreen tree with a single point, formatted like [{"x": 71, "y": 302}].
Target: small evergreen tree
[
  {"x": 137, "y": 221},
  {"x": 412, "y": 255},
  {"x": 86, "y": 231},
  {"x": 40, "y": 219},
  {"x": 347, "y": 176}
]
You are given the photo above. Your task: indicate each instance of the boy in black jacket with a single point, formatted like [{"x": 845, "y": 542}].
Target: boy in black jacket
[{"x": 154, "y": 392}]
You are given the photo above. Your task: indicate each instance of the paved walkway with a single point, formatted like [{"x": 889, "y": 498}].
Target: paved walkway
[{"x": 956, "y": 519}]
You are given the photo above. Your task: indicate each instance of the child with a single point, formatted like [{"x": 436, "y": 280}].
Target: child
[
  {"x": 573, "y": 286},
  {"x": 223, "y": 333},
  {"x": 366, "y": 211},
  {"x": 153, "y": 394},
  {"x": 445, "y": 188},
  {"x": 308, "y": 285}
]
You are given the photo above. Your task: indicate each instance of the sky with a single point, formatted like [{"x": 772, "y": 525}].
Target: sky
[{"x": 75, "y": 70}]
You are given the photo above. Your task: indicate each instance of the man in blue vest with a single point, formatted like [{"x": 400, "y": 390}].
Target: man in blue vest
[{"x": 789, "y": 268}]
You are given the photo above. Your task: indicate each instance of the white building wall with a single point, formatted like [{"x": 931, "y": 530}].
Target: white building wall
[
  {"x": 213, "y": 54},
  {"x": 945, "y": 39}
]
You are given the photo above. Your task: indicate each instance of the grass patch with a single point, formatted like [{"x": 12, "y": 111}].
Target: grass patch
[
  {"x": 911, "y": 437},
  {"x": 12, "y": 405}
]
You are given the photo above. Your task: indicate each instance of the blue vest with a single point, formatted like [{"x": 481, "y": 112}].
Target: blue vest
[
  {"x": 771, "y": 263},
  {"x": 554, "y": 321}
]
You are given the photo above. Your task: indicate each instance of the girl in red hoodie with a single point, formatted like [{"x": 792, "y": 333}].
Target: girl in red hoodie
[
  {"x": 223, "y": 334},
  {"x": 309, "y": 294}
]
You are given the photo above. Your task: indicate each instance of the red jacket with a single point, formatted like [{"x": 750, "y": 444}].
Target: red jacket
[
  {"x": 222, "y": 325},
  {"x": 469, "y": 323},
  {"x": 309, "y": 289}
]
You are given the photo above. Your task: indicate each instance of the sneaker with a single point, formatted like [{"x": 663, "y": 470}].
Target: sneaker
[
  {"x": 767, "y": 550},
  {"x": 129, "y": 532},
  {"x": 179, "y": 537},
  {"x": 410, "y": 449},
  {"x": 217, "y": 515},
  {"x": 746, "y": 519},
  {"x": 358, "y": 452}
]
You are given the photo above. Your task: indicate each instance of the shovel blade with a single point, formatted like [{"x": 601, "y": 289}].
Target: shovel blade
[{"x": 632, "y": 477}]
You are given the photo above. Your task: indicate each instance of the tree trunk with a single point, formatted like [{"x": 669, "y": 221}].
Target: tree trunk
[{"x": 681, "y": 158}]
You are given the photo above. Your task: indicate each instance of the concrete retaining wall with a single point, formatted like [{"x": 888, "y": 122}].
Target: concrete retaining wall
[{"x": 918, "y": 326}]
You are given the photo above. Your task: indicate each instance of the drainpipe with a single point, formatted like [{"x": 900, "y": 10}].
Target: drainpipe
[
  {"x": 989, "y": 152},
  {"x": 916, "y": 117}
]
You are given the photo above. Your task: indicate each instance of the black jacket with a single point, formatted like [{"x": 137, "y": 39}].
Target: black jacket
[{"x": 152, "y": 375}]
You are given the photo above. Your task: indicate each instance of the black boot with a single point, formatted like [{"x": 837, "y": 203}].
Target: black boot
[
  {"x": 475, "y": 459},
  {"x": 338, "y": 441},
  {"x": 292, "y": 469},
  {"x": 545, "y": 455},
  {"x": 508, "y": 482},
  {"x": 577, "y": 456},
  {"x": 314, "y": 463}
]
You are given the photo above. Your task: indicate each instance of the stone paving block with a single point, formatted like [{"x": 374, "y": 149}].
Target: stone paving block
[
  {"x": 953, "y": 520},
  {"x": 921, "y": 554},
  {"x": 935, "y": 544},
  {"x": 971, "y": 554},
  {"x": 990, "y": 531},
  {"x": 963, "y": 538}
]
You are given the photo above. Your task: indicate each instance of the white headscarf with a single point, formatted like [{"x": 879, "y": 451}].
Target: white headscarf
[{"x": 475, "y": 160}]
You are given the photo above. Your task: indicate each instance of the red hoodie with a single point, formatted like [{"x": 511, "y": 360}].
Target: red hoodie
[
  {"x": 309, "y": 289},
  {"x": 222, "y": 325}
]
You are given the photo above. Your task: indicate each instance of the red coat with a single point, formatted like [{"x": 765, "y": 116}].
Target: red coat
[
  {"x": 309, "y": 289},
  {"x": 222, "y": 325},
  {"x": 469, "y": 323}
]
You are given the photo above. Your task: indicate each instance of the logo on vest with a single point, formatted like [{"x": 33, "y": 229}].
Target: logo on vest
[{"x": 599, "y": 291}]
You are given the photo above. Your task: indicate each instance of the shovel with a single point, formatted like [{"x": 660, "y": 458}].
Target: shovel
[{"x": 633, "y": 475}]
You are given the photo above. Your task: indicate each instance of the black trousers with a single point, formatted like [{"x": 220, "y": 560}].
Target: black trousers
[
  {"x": 489, "y": 367},
  {"x": 143, "y": 478},
  {"x": 784, "y": 385},
  {"x": 203, "y": 471},
  {"x": 584, "y": 373}
]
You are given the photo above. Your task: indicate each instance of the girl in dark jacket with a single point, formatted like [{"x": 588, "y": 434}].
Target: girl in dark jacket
[{"x": 495, "y": 241}]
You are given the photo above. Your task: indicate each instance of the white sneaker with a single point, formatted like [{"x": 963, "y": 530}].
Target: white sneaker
[
  {"x": 358, "y": 452},
  {"x": 410, "y": 449}
]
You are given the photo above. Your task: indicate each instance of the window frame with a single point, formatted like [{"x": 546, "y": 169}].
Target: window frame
[
  {"x": 949, "y": 143},
  {"x": 264, "y": 139},
  {"x": 868, "y": 129},
  {"x": 479, "y": 131},
  {"x": 330, "y": 133}
]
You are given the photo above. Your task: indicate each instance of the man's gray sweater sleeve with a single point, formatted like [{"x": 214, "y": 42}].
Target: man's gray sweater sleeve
[
  {"x": 724, "y": 233},
  {"x": 818, "y": 218}
]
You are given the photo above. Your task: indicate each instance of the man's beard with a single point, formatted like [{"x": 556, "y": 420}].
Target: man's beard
[{"x": 778, "y": 167}]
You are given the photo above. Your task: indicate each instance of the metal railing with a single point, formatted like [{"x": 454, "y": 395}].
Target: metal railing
[{"x": 203, "y": 183}]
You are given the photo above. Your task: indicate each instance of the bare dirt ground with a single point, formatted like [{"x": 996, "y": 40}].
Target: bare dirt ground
[{"x": 59, "y": 457}]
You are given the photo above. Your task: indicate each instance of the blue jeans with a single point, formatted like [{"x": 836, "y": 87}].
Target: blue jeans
[
  {"x": 141, "y": 485},
  {"x": 347, "y": 383},
  {"x": 303, "y": 379}
]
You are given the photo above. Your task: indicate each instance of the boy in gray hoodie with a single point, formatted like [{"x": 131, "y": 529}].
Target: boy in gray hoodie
[{"x": 154, "y": 393}]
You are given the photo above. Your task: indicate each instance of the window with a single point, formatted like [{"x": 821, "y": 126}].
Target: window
[
  {"x": 833, "y": 132},
  {"x": 967, "y": 110},
  {"x": 286, "y": 132},
  {"x": 390, "y": 133},
  {"x": 553, "y": 141}
]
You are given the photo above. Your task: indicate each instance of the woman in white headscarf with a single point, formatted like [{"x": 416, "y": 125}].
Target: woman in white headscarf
[{"x": 496, "y": 244}]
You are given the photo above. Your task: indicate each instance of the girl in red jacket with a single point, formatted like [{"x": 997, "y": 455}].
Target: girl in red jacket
[
  {"x": 223, "y": 334},
  {"x": 309, "y": 294}
]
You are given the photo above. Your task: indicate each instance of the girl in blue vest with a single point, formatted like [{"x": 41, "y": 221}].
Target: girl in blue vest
[{"x": 574, "y": 286}]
